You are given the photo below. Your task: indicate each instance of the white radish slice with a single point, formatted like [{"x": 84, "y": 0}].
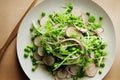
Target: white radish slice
[
  {"x": 92, "y": 55},
  {"x": 36, "y": 56},
  {"x": 56, "y": 78},
  {"x": 62, "y": 74},
  {"x": 48, "y": 60},
  {"x": 56, "y": 25},
  {"x": 85, "y": 18},
  {"x": 43, "y": 20},
  {"x": 37, "y": 41},
  {"x": 91, "y": 70},
  {"x": 81, "y": 29},
  {"x": 68, "y": 75},
  {"x": 76, "y": 11},
  {"x": 73, "y": 69},
  {"x": 100, "y": 30},
  {"x": 71, "y": 31},
  {"x": 40, "y": 51}
]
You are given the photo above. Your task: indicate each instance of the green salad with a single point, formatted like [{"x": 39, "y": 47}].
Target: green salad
[{"x": 69, "y": 43}]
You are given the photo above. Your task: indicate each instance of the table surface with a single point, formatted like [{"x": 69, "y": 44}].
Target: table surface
[{"x": 10, "y": 13}]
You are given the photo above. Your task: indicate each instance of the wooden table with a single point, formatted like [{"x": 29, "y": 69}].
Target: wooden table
[{"x": 10, "y": 13}]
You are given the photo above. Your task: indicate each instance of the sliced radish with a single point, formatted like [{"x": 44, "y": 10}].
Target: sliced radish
[
  {"x": 76, "y": 11},
  {"x": 56, "y": 25},
  {"x": 68, "y": 75},
  {"x": 43, "y": 20},
  {"x": 71, "y": 31},
  {"x": 92, "y": 55},
  {"x": 85, "y": 18},
  {"x": 81, "y": 29},
  {"x": 73, "y": 69},
  {"x": 56, "y": 78},
  {"x": 40, "y": 51},
  {"x": 37, "y": 41},
  {"x": 91, "y": 70},
  {"x": 37, "y": 57},
  {"x": 100, "y": 30},
  {"x": 62, "y": 73},
  {"x": 48, "y": 60}
]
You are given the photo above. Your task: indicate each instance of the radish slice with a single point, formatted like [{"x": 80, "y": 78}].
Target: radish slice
[
  {"x": 37, "y": 41},
  {"x": 92, "y": 55},
  {"x": 100, "y": 30},
  {"x": 43, "y": 20},
  {"x": 73, "y": 69},
  {"x": 81, "y": 29},
  {"x": 85, "y": 18},
  {"x": 72, "y": 39},
  {"x": 40, "y": 51},
  {"x": 61, "y": 73},
  {"x": 37, "y": 57},
  {"x": 76, "y": 11},
  {"x": 71, "y": 31},
  {"x": 48, "y": 60},
  {"x": 56, "y": 25},
  {"x": 68, "y": 75},
  {"x": 91, "y": 70},
  {"x": 56, "y": 78}
]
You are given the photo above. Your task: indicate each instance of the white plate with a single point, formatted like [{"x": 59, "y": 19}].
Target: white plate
[{"x": 49, "y": 6}]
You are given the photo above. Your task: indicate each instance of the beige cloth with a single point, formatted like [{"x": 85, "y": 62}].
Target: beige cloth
[{"x": 10, "y": 13}]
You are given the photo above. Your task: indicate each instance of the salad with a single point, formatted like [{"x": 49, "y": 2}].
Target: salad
[{"x": 69, "y": 44}]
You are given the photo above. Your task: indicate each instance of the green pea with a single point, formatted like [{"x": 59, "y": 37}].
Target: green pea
[
  {"x": 33, "y": 37},
  {"x": 90, "y": 60},
  {"x": 56, "y": 65},
  {"x": 31, "y": 56},
  {"x": 33, "y": 68},
  {"x": 75, "y": 78},
  {"x": 27, "y": 49},
  {"x": 91, "y": 19},
  {"x": 70, "y": 6},
  {"x": 73, "y": 48},
  {"x": 31, "y": 29},
  {"x": 100, "y": 72},
  {"x": 43, "y": 14},
  {"x": 26, "y": 54},
  {"x": 97, "y": 25},
  {"x": 38, "y": 21},
  {"x": 102, "y": 64},
  {"x": 100, "y": 18},
  {"x": 34, "y": 49},
  {"x": 104, "y": 53},
  {"x": 88, "y": 13},
  {"x": 97, "y": 44},
  {"x": 97, "y": 55},
  {"x": 103, "y": 46},
  {"x": 37, "y": 62},
  {"x": 97, "y": 64},
  {"x": 50, "y": 15},
  {"x": 81, "y": 52}
]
